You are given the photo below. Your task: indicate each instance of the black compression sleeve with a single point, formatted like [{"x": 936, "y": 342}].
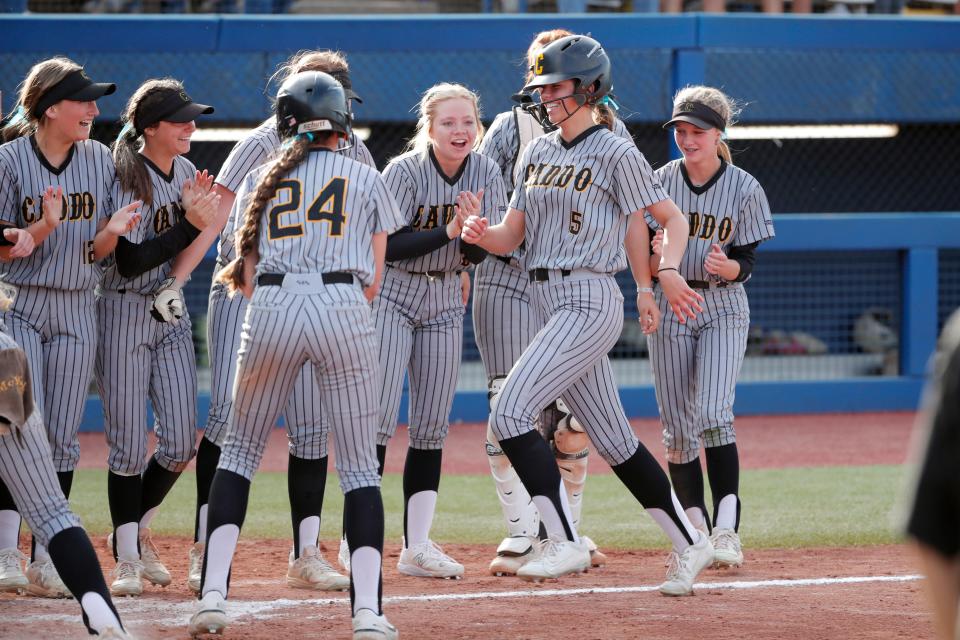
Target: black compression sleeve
[
  {"x": 406, "y": 243},
  {"x": 746, "y": 255},
  {"x": 134, "y": 259},
  {"x": 473, "y": 253}
]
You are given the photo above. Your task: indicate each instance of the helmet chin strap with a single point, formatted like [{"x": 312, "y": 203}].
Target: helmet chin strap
[{"x": 539, "y": 110}]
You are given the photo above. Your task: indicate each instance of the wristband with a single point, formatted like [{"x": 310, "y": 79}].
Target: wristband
[
  {"x": 644, "y": 290},
  {"x": 668, "y": 269}
]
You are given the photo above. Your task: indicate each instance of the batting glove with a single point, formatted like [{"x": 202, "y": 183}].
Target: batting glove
[{"x": 168, "y": 304}]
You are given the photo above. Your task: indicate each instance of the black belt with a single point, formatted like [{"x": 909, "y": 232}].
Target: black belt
[
  {"x": 433, "y": 275},
  {"x": 705, "y": 284},
  {"x": 276, "y": 279},
  {"x": 543, "y": 275},
  {"x": 504, "y": 259}
]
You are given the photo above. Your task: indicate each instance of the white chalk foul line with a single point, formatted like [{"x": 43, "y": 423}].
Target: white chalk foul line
[{"x": 141, "y": 610}]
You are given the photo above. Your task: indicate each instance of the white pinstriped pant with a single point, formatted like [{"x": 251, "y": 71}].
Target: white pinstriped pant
[
  {"x": 695, "y": 368},
  {"x": 57, "y": 329},
  {"x": 420, "y": 325},
  {"x": 503, "y": 321},
  {"x": 26, "y": 468},
  {"x": 581, "y": 317},
  {"x": 334, "y": 330},
  {"x": 136, "y": 357},
  {"x": 306, "y": 427}
]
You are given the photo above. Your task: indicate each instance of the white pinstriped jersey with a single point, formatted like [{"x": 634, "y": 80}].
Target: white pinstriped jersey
[
  {"x": 576, "y": 197},
  {"x": 65, "y": 259},
  {"x": 323, "y": 216},
  {"x": 730, "y": 210},
  {"x": 253, "y": 151},
  {"x": 501, "y": 142},
  {"x": 427, "y": 197},
  {"x": 165, "y": 211}
]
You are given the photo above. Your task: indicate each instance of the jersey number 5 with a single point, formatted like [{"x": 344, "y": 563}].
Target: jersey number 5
[
  {"x": 327, "y": 206},
  {"x": 576, "y": 222}
]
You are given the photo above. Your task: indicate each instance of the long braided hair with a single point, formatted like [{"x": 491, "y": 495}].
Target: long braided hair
[{"x": 248, "y": 235}]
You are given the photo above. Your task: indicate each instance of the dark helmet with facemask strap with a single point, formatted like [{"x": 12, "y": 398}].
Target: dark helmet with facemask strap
[
  {"x": 311, "y": 101},
  {"x": 578, "y": 58}
]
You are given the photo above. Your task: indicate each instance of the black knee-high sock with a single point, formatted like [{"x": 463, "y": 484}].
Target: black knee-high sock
[
  {"x": 381, "y": 458},
  {"x": 688, "y": 485},
  {"x": 536, "y": 466},
  {"x": 306, "y": 480},
  {"x": 157, "y": 483},
  {"x": 649, "y": 485},
  {"x": 229, "y": 494},
  {"x": 363, "y": 527},
  {"x": 723, "y": 470},
  {"x": 421, "y": 472},
  {"x": 208, "y": 456},
  {"x": 123, "y": 494},
  {"x": 76, "y": 563},
  {"x": 65, "y": 478}
]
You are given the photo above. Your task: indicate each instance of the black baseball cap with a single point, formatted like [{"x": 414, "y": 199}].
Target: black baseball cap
[
  {"x": 77, "y": 86},
  {"x": 697, "y": 114},
  {"x": 167, "y": 105}
]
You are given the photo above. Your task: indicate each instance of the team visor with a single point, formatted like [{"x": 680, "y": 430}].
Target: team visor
[
  {"x": 76, "y": 86},
  {"x": 168, "y": 105},
  {"x": 697, "y": 114}
]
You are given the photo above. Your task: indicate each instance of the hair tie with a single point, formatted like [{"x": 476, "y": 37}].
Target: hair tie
[
  {"x": 610, "y": 102},
  {"x": 19, "y": 114},
  {"x": 309, "y": 135},
  {"x": 127, "y": 128}
]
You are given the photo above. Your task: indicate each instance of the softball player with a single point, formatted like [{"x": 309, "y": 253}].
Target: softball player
[
  {"x": 419, "y": 311},
  {"x": 503, "y": 325},
  {"x": 26, "y": 469},
  {"x": 581, "y": 187},
  {"x": 695, "y": 364},
  {"x": 326, "y": 218},
  {"x": 56, "y": 182},
  {"x": 139, "y": 357},
  {"x": 307, "y": 466}
]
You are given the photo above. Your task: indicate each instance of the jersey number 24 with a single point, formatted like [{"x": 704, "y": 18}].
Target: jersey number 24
[{"x": 327, "y": 206}]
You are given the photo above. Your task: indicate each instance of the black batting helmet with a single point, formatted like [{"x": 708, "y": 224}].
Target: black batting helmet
[
  {"x": 578, "y": 58},
  {"x": 311, "y": 101}
]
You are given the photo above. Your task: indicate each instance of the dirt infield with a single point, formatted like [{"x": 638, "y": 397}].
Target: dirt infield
[{"x": 792, "y": 594}]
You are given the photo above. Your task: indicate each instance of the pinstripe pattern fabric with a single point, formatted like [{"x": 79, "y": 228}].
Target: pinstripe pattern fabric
[
  {"x": 426, "y": 198},
  {"x": 306, "y": 426},
  {"x": 64, "y": 261},
  {"x": 576, "y": 198},
  {"x": 420, "y": 326},
  {"x": 58, "y": 332},
  {"x": 28, "y": 473},
  {"x": 165, "y": 211},
  {"x": 137, "y": 358},
  {"x": 502, "y": 319},
  {"x": 695, "y": 366},
  {"x": 332, "y": 328},
  {"x": 580, "y": 321}
]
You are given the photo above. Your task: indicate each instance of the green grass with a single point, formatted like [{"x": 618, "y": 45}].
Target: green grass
[{"x": 781, "y": 508}]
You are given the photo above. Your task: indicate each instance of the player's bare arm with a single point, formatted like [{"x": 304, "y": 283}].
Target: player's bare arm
[
  {"x": 120, "y": 223},
  {"x": 637, "y": 245},
  {"x": 501, "y": 238},
  {"x": 379, "y": 255},
  {"x": 684, "y": 301}
]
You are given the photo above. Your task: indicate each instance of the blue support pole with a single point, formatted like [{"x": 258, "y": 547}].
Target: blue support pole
[
  {"x": 689, "y": 67},
  {"x": 919, "y": 320}
]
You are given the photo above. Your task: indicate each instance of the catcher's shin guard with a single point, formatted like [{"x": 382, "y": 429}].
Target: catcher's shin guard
[
  {"x": 520, "y": 514},
  {"x": 570, "y": 446}
]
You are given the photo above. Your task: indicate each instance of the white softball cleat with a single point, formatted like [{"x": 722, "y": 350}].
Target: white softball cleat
[
  {"x": 682, "y": 568},
  {"x": 427, "y": 560},
  {"x": 367, "y": 625},
  {"x": 597, "y": 558},
  {"x": 727, "y": 551},
  {"x": 127, "y": 578},
  {"x": 210, "y": 616},
  {"x": 12, "y": 577},
  {"x": 558, "y": 557},
  {"x": 153, "y": 569},
  {"x": 195, "y": 569},
  {"x": 44, "y": 581},
  {"x": 312, "y": 571},
  {"x": 513, "y": 553}
]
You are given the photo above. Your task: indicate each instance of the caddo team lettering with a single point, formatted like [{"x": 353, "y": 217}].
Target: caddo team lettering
[
  {"x": 436, "y": 215},
  {"x": 166, "y": 216},
  {"x": 551, "y": 175},
  {"x": 704, "y": 225},
  {"x": 76, "y": 206}
]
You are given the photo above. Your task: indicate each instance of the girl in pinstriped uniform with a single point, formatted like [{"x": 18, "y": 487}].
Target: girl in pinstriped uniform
[
  {"x": 56, "y": 183},
  {"x": 578, "y": 208},
  {"x": 695, "y": 364},
  {"x": 144, "y": 351},
  {"x": 420, "y": 309}
]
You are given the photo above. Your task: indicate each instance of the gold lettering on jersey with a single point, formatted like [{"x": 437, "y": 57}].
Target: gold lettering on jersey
[
  {"x": 166, "y": 216},
  {"x": 704, "y": 226},
  {"x": 76, "y": 207},
  {"x": 436, "y": 215},
  {"x": 552, "y": 175}
]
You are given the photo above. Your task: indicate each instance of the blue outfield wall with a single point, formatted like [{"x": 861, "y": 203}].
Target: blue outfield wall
[
  {"x": 817, "y": 68},
  {"x": 918, "y": 237}
]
